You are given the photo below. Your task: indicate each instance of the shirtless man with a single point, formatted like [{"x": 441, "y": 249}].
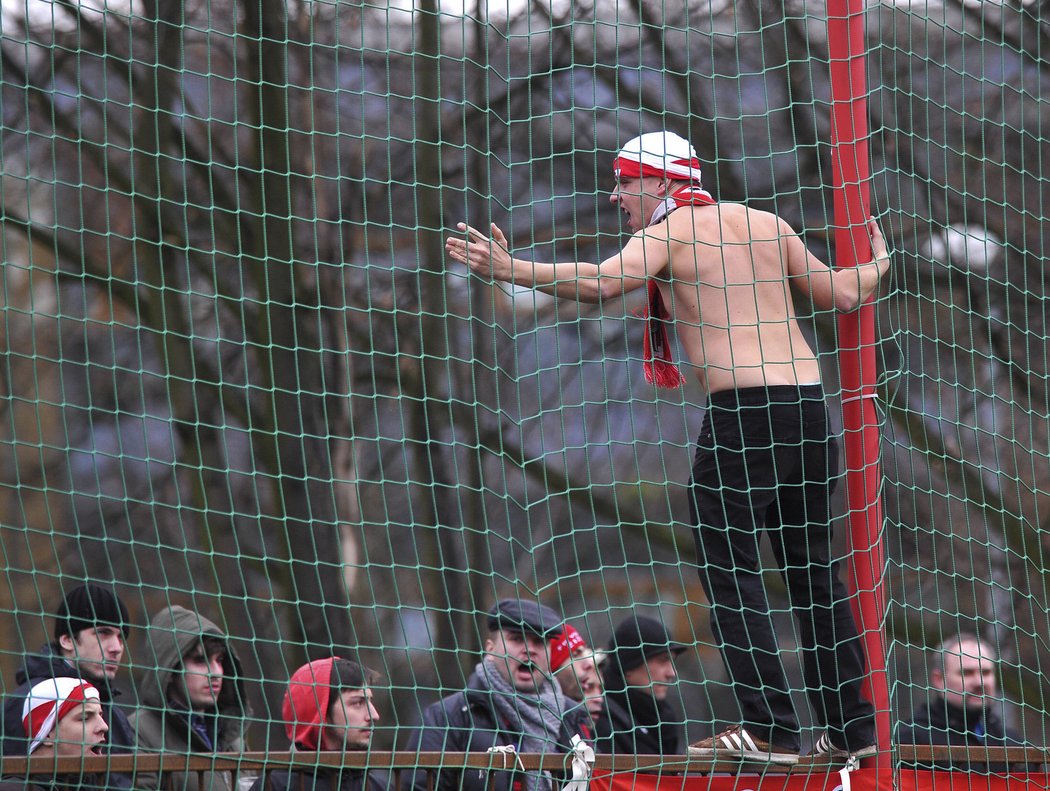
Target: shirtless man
[{"x": 765, "y": 460}]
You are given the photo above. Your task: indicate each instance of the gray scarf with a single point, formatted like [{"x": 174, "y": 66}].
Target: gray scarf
[{"x": 538, "y": 718}]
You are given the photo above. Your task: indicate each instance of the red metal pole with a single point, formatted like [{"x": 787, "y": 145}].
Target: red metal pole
[{"x": 851, "y": 170}]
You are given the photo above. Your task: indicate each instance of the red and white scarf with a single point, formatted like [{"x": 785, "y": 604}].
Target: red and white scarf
[
  {"x": 665, "y": 155},
  {"x": 658, "y": 365}
]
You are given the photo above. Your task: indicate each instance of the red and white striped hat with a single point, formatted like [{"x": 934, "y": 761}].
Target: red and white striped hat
[
  {"x": 48, "y": 702},
  {"x": 658, "y": 154}
]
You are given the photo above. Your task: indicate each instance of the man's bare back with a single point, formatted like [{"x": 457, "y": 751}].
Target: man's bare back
[{"x": 726, "y": 286}]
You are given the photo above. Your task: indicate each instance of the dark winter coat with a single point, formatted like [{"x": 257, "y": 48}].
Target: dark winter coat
[
  {"x": 49, "y": 663},
  {"x": 636, "y": 723},
  {"x": 468, "y": 722},
  {"x": 325, "y": 779},
  {"x": 79, "y": 783},
  {"x": 941, "y": 723}
]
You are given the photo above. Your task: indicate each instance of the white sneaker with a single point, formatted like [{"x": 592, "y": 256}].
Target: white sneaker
[{"x": 824, "y": 748}]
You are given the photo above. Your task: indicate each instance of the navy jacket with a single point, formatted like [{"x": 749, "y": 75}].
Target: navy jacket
[
  {"x": 941, "y": 723},
  {"x": 49, "y": 663}
]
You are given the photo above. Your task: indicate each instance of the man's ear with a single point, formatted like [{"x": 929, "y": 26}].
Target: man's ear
[
  {"x": 936, "y": 679},
  {"x": 65, "y": 642},
  {"x": 489, "y": 645}
]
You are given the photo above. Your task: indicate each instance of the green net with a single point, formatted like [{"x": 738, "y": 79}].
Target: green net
[{"x": 241, "y": 375}]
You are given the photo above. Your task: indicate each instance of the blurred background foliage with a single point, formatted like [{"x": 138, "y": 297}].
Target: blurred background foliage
[{"x": 240, "y": 375}]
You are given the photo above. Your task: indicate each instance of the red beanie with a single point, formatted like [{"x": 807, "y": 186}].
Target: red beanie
[
  {"x": 306, "y": 703},
  {"x": 563, "y": 645}
]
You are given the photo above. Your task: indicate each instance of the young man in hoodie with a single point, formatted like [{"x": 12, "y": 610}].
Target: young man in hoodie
[
  {"x": 192, "y": 700},
  {"x": 91, "y": 627},
  {"x": 329, "y": 707},
  {"x": 638, "y": 672},
  {"x": 510, "y": 702},
  {"x": 725, "y": 275},
  {"x": 61, "y": 718}
]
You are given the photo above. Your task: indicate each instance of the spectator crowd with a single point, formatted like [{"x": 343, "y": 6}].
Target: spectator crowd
[{"x": 538, "y": 687}]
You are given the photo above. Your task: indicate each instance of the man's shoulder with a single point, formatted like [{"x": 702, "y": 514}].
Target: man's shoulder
[
  {"x": 920, "y": 717},
  {"x": 449, "y": 702},
  {"x": 718, "y": 223},
  {"x": 456, "y": 707},
  {"x": 45, "y": 663},
  {"x": 724, "y": 213},
  {"x": 147, "y": 726},
  {"x": 618, "y": 713},
  {"x": 922, "y": 728}
]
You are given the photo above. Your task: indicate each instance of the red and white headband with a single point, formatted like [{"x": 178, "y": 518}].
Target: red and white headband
[
  {"x": 662, "y": 154},
  {"x": 48, "y": 702}
]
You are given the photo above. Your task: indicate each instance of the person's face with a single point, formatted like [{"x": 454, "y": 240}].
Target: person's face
[
  {"x": 638, "y": 198},
  {"x": 202, "y": 678},
  {"x": 589, "y": 681},
  {"x": 580, "y": 681},
  {"x": 81, "y": 732},
  {"x": 968, "y": 679},
  {"x": 96, "y": 652},
  {"x": 350, "y": 718},
  {"x": 656, "y": 674},
  {"x": 520, "y": 657}
]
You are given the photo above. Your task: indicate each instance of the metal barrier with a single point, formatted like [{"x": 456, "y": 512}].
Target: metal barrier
[{"x": 255, "y": 764}]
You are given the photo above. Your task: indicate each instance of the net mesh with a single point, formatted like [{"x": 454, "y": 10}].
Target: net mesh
[{"x": 240, "y": 374}]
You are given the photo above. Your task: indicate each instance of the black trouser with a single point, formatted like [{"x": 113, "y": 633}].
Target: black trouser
[{"x": 766, "y": 462}]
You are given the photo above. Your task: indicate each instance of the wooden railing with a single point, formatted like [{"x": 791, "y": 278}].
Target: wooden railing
[{"x": 400, "y": 763}]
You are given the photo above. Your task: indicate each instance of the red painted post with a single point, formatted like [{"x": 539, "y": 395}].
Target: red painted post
[{"x": 851, "y": 171}]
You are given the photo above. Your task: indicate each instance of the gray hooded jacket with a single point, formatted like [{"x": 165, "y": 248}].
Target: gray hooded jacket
[{"x": 161, "y": 725}]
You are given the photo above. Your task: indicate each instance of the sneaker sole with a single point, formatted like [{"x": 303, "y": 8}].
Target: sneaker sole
[
  {"x": 780, "y": 759},
  {"x": 710, "y": 753},
  {"x": 843, "y": 755}
]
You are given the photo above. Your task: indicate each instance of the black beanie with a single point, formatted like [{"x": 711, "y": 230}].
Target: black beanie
[{"x": 87, "y": 606}]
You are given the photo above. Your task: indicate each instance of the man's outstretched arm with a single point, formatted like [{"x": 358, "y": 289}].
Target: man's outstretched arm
[{"x": 490, "y": 257}]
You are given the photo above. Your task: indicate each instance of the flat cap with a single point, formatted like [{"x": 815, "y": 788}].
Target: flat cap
[{"x": 525, "y": 616}]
